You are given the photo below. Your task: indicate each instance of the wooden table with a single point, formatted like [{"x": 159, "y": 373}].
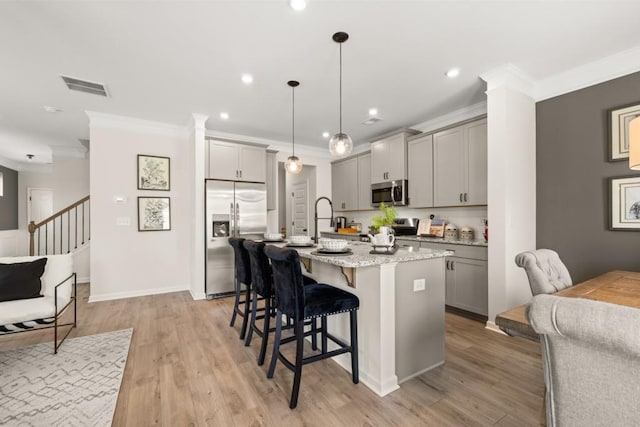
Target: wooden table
[{"x": 616, "y": 287}]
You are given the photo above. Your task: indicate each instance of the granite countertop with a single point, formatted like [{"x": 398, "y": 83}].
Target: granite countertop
[
  {"x": 480, "y": 243},
  {"x": 362, "y": 258}
]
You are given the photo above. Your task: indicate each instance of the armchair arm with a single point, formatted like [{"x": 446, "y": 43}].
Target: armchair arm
[{"x": 73, "y": 286}]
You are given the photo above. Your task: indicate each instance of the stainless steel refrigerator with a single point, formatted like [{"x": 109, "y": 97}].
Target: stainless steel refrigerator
[{"x": 233, "y": 209}]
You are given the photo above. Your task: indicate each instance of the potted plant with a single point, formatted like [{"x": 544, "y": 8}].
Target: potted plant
[{"x": 386, "y": 218}]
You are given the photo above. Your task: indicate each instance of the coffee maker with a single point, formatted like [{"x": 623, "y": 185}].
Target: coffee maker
[{"x": 340, "y": 222}]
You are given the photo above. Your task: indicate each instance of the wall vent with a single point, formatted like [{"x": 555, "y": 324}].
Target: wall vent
[
  {"x": 85, "y": 86},
  {"x": 371, "y": 121}
]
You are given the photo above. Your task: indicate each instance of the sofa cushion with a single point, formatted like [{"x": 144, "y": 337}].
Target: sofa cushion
[
  {"x": 28, "y": 309},
  {"x": 58, "y": 268},
  {"x": 21, "y": 280}
]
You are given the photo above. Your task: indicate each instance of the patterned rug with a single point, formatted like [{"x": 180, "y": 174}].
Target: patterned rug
[{"x": 76, "y": 387}]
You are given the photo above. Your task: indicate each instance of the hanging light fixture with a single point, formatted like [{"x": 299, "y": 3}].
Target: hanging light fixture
[
  {"x": 634, "y": 144},
  {"x": 340, "y": 144},
  {"x": 293, "y": 164}
]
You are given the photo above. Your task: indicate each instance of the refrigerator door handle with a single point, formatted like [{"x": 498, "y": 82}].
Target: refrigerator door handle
[
  {"x": 232, "y": 218},
  {"x": 238, "y": 219}
]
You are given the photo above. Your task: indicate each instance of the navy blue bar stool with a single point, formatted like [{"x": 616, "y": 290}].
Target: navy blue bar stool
[
  {"x": 309, "y": 302},
  {"x": 262, "y": 288},
  {"x": 242, "y": 278}
]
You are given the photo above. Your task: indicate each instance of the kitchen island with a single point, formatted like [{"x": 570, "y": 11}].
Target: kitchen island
[{"x": 401, "y": 315}]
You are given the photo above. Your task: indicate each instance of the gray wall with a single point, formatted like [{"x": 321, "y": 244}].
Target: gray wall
[
  {"x": 9, "y": 200},
  {"x": 572, "y": 171}
]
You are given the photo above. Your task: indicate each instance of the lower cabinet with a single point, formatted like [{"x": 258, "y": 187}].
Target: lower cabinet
[
  {"x": 466, "y": 284},
  {"x": 466, "y": 277}
]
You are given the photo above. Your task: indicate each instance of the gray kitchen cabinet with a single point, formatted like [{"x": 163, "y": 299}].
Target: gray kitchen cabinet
[
  {"x": 460, "y": 165},
  {"x": 420, "y": 171},
  {"x": 344, "y": 184},
  {"x": 364, "y": 181},
  {"x": 272, "y": 180},
  {"x": 237, "y": 162},
  {"x": 389, "y": 157},
  {"x": 466, "y": 276}
]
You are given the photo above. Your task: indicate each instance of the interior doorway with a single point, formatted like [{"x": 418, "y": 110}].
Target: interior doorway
[
  {"x": 300, "y": 208},
  {"x": 39, "y": 204}
]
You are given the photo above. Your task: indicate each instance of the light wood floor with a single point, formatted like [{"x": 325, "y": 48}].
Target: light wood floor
[{"x": 187, "y": 367}]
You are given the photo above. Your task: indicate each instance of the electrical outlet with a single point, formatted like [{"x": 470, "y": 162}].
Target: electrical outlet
[
  {"x": 418, "y": 285},
  {"x": 123, "y": 221}
]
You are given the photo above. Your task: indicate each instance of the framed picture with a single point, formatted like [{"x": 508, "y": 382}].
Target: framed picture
[
  {"x": 153, "y": 173},
  {"x": 154, "y": 213},
  {"x": 619, "y": 119},
  {"x": 624, "y": 198}
]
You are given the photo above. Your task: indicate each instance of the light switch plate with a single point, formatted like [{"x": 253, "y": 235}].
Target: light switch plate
[{"x": 419, "y": 285}]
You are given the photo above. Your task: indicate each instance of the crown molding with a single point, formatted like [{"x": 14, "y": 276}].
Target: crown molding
[
  {"x": 112, "y": 121},
  {"x": 589, "y": 74},
  {"x": 508, "y": 75},
  {"x": 198, "y": 121},
  {"x": 453, "y": 117}
]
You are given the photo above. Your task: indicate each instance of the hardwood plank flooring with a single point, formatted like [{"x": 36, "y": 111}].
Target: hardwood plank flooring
[{"x": 187, "y": 367}]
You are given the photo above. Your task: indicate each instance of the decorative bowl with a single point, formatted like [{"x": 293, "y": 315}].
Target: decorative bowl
[
  {"x": 298, "y": 240},
  {"x": 333, "y": 244},
  {"x": 272, "y": 236}
]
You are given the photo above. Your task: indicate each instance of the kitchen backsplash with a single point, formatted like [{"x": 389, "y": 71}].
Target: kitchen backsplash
[{"x": 459, "y": 216}]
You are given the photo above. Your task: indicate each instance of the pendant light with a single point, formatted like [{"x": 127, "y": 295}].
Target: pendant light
[
  {"x": 634, "y": 144},
  {"x": 340, "y": 144},
  {"x": 293, "y": 164}
]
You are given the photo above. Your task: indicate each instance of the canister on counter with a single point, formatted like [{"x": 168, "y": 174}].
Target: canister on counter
[
  {"x": 451, "y": 232},
  {"x": 466, "y": 234}
]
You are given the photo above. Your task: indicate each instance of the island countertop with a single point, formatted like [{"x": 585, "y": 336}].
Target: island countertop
[{"x": 362, "y": 258}]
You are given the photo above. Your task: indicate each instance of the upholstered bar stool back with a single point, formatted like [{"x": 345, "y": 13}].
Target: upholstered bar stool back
[
  {"x": 547, "y": 274},
  {"x": 303, "y": 303},
  {"x": 242, "y": 278}
]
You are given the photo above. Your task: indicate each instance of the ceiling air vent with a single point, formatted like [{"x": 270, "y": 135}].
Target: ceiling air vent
[
  {"x": 371, "y": 121},
  {"x": 85, "y": 86}
]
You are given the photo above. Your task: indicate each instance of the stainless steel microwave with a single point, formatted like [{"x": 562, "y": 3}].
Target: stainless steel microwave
[{"x": 393, "y": 193}]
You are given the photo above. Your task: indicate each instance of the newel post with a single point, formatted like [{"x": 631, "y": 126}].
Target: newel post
[{"x": 32, "y": 230}]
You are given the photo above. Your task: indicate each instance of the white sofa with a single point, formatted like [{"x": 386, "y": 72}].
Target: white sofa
[{"x": 58, "y": 282}]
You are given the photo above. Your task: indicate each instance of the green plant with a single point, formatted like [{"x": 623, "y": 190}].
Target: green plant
[{"x": 387, "y": 218}]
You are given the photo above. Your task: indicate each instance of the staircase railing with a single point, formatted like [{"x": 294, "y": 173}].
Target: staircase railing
[{"x": 73, "y": 222}]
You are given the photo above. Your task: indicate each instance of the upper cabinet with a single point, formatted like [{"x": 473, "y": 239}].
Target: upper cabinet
[
  {"x": 420, "y": 164},
  {"x": 344, "y": 185},
  {"x": 237, "y": 162},
  {"x": 460, "y": 165},
  {"x": 364, "y": 181},
  {"x": 389, "y": 157}
]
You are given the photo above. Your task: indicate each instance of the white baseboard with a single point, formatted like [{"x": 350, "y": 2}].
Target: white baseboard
[
  {"x": 197, "y": 295},
  {"x": 494, "y": 328},
  {"x": 133, "y": 294}
]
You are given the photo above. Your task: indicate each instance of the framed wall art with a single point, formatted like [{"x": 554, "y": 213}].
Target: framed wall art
[
  {"x": 624, "y": 200},
  {"x": 619, "y": 119},
  {"x": 154, "y": 214},
  {"x": 153, "y": 173}
]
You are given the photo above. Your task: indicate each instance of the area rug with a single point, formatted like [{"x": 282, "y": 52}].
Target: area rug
[{"x": 76, "y": 387}]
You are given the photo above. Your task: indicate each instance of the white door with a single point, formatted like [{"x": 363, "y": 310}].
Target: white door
[
  {"x": 39, "y": 204},
  {"x": 299, "y": 209}
]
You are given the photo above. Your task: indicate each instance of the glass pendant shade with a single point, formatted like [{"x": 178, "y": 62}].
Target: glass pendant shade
[
  {"x": 634, "y": 144},
  {"x": 293, "y": 165},
  {"x": 340, "y": 144}
]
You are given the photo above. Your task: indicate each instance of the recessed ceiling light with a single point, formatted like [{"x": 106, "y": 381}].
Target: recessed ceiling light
[
  {"x": 325, "y": 134},
  {"x": 298, "y": 4},
  {"x": 50, "y": 109},
  {"x": 453, "y": 72},
  {"x": 373, "y": 111},
  {"x": 247, "y": 79},
  {"x": 224, "y": 116}
]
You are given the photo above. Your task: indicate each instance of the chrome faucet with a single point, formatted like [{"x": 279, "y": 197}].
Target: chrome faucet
[{"x": 315, "y": 216}]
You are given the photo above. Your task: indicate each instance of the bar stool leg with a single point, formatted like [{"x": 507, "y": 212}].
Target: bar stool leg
[
  {"x": 297, "y": 373},
  {"x": 276, "y": 345},
  {"x": 236, "y": 303},
  {"x": 252, "y": 322},
  {"x": 323, "y": 326},
  {"x": 354, "y": 346},
  {"x": 245, "y": 320},
  {"x": 265, "y": 331},
  {"x": 314, "y": 335}
]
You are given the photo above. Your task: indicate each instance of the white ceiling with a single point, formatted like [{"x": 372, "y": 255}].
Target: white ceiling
[{"x": 165, "y": 60}]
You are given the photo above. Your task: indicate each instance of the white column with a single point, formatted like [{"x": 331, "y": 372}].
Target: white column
[
  {"x": 511, "y": 208},
  {"x": 196, "y": 242}
]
